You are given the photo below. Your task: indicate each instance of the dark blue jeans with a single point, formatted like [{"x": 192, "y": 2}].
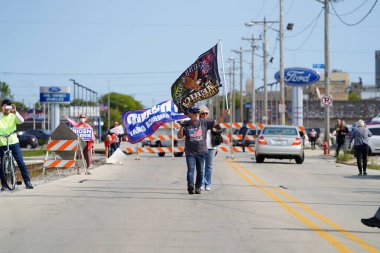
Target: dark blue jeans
[
  {"x": 16, "y": 152},
  {"x": 195, "y": 162}
]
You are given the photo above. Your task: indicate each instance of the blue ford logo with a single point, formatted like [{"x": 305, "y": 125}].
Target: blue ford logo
[
  {"x": 54, "y": 89},
  {"x": 298, "y": 76}
]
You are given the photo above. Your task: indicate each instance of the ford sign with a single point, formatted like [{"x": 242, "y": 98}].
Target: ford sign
[
  {"x": 299, "y": 76},
  {"x": 54, "y": 89}
]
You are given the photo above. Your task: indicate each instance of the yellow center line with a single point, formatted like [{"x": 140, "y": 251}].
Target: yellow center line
[
  {"x": 335, "y": 226},
  {"x": 322, "y": 233}
]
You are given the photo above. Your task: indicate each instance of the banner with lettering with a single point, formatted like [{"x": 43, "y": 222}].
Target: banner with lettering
[
  {"x": 140, "y": 124},
  {"x": 84, "y": 133},
  {"x": 200, "y": 81}
]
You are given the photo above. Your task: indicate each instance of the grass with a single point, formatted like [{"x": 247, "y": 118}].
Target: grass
[
  {"x": 34, "y": 152},
  {"x": 347, "y": 156}
]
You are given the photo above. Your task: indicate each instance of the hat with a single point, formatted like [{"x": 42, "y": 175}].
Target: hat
[
  {"x": 6, "y": 101},
  {"x": 194, "y": 110}
]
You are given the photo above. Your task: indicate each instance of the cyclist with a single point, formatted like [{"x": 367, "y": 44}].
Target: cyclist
[{"x": 9, "y": 117}]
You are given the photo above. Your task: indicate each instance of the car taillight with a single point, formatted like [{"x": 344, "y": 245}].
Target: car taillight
[
  {"x": 297, "y": 141},
  {"x": 32, "y": 138},
  {"x": 262, "y": 141}
]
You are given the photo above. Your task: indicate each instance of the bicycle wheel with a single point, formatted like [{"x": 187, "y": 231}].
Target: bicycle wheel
[{"x": 9, "y": 171}]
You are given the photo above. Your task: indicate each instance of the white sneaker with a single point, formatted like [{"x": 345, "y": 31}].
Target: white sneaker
[
  {"x": 202, "y": 188},
  {"x": 208, "y": 188}
]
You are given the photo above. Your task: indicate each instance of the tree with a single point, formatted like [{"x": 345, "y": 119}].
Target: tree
[
  {"x": 353, "y": 96},
  {"x": 119, "y": 103},
  {"x": 5, "y": 91}
]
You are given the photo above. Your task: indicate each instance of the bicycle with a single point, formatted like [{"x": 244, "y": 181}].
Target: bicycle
[{"x": 8, "y": 165}]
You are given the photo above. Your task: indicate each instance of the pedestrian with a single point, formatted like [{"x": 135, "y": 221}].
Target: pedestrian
[
  {"x": 195, "y": 133},
  {"x": 119, "y": 136},
  {"x": 374, "y": 221},
  {"x": 341, "y": 133},
  {"x": 212, "y": 142},
  {"x": 9, "y": 118},
  {"x": 336, "y": 129},
  {"x": 360, "y": 137},
  {"x": 313, "y": 138},
  {"x": 107, "y": 144},
  {"x": 87, "y": 149},
  {"x": 243, "y": 132}
]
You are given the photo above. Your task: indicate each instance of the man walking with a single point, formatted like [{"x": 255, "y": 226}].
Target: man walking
[{"x": 195, "y": 133}]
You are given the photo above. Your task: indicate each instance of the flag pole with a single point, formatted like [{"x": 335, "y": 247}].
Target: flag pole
[
  {"x": 224, "y": 76},
  {"x": 225, "y": 93}
]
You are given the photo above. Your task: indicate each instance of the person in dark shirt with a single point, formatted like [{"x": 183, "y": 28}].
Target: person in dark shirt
[{"x": 195, "y": 133}]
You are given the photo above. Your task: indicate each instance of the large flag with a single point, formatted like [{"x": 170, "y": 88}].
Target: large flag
[
  {"x": 140, "y": 124},
  {"x": 200, "y": 81}
]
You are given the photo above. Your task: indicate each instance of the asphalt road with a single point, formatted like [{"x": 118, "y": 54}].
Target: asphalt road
[{"x": 143, "y": 206}]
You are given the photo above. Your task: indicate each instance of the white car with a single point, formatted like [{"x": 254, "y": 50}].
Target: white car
[
  {"x": 281, "y": 142},
  {"x": 374, "y": 140}
]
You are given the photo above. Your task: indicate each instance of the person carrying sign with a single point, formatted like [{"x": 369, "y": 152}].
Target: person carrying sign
[
  {"x": 87, "y": 149},
  {"x": 195, "y": 133}
]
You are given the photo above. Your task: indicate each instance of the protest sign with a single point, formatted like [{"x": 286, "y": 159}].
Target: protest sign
[
  {"x": 117, "y": 130},
  {"x": 84, "y": 133},
  {"x": 140, "y": 124},
  {"x": 200, "y": 81}
]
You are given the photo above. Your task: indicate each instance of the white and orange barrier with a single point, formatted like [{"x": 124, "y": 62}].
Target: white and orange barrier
[
  {"x": 62, "y": 145},
  {"x": 181, "y": 149},
  {"x": 154, "y": 150},
  {"x": 161, "y": 137}
]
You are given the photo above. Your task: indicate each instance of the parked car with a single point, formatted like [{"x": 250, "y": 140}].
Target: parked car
[
  {"x": 41, "y": 134},
  {"x": 164, "y": 143},
  {"x": 373, "y": 141},
  {"x": 280, "y": 142},
  {"x": 27, "y": 140}
]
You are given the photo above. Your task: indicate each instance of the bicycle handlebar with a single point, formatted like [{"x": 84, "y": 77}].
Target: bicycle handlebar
[{"x": 7, "y": 135}]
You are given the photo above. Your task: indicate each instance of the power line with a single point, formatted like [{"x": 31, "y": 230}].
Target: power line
[
  {"x": 361, "y": 20},
  {"x": 314, "y": 20},
  {"x": 88, "y": 74},
  {"x": 308, "y": 36},
  {"x": 352, "y": 11}
]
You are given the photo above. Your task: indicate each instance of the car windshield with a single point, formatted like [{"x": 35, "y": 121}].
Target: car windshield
[{"x": 279, "y": 131}]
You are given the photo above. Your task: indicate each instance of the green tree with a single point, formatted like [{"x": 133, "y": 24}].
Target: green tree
[
  {"x": 353, "y": 96},
  {"x": 119, "y": 103},
  {"x": 5, "y": 91}
]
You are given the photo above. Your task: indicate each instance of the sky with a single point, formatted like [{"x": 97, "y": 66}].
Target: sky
[{"x": 140, "y": 48}]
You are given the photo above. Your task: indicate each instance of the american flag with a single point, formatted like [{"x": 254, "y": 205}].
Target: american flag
[{"x": 104, "y": 107}]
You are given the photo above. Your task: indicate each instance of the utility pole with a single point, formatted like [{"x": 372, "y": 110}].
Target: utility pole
[
  {"x": 327, "y": 72},
  {"x": 233, "y": 89},
  {"x": 240, "y": 52},
  {"x": 265, "y": 115},
  {"x": 253, "y": 92},
  {"x": 282, "y": 82}
]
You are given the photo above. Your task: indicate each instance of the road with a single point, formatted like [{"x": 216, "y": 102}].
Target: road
[{"x": 143, "y": 206}]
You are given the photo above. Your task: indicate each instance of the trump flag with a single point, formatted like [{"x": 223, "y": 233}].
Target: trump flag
[
  {"x": 140, "y": 124},
  {"x": 199, "y": 81}
]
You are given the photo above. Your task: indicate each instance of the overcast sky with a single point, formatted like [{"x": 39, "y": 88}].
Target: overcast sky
[{"x": 141, "y": 47}]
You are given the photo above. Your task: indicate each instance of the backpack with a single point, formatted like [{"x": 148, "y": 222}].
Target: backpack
[{"x": 218, "y": 139}]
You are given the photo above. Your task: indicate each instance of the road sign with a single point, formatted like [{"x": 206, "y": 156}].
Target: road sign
[
  {"x": 326, "y": 100},
  {"x": 318, "y": 66}
]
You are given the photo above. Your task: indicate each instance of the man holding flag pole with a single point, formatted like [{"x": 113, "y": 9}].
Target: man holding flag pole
[{"x": 198, "y": 82}]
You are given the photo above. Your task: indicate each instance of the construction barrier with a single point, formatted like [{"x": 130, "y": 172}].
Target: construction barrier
[
  {"x": 181, "y": 149},
  {"x": 227, "y": 137},
  {"x": 62, "y": 145}
]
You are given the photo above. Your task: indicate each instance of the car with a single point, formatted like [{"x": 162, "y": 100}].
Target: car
[
  {"x": 164, "y": 142},
  {"x": 42, "y": 135},
  {"x": 373, "y": 141},
  {"x": 280, "y": 142},
  {"x": 27, "y": 140}
]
